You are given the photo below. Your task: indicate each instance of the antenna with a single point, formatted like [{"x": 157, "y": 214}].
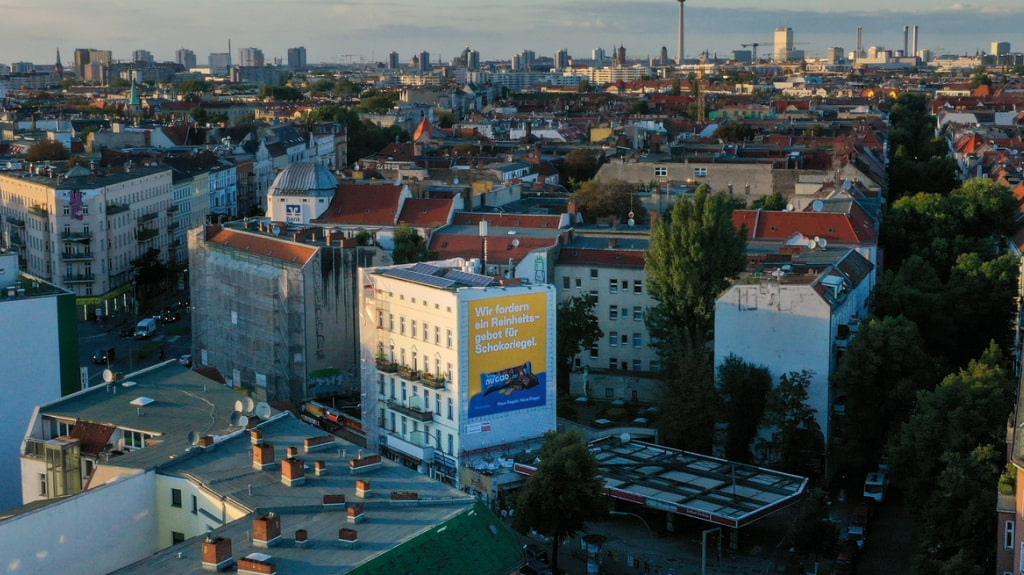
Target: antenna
[
  {"x": 247, "y": 405},
  {"x": 263, "y": 410},
  {"x": 193, "y": 437}
]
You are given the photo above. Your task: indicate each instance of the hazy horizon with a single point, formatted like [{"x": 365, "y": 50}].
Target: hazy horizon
[{"x": 361, "y": 30}]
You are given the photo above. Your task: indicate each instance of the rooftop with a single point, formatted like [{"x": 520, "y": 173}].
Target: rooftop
[{"x": 281, "y": 249}]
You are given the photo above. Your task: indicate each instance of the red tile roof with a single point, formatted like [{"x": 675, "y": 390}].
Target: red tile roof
[
  {"x": 426, "y": 212},
  {"x": 508, "y": 220},
  {"x": 855, "y": 228},
  {"x": 363, "y": 205},
  {"x": 609, "y": 257},
  {"x": 260, "y": 245},
  {"x": 94, "y": 437},
  {"x": 499, "y": 247}
]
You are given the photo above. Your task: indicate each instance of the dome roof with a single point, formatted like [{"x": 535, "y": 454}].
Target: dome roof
[{"x": 304, "y": 179}]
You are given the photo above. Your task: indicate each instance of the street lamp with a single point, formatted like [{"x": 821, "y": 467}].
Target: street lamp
[
  {"x": 642, "y": 520},
  {"x": 704, "y": 549}
]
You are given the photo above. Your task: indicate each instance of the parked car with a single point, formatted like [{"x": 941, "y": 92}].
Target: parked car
[
  {"x": 128, "y": 332},
  {"x": 170, "y": 317},
  {"x": 846, "y": 560},
  {"x": 145, "y": 328},
  {"x": 875, "y": 485},
  {"x": 103, "y": 355},
  {"x": 186, "y": 360},
  {"x": 536, "y": 567},
  {"x": 534, "y": 551}
]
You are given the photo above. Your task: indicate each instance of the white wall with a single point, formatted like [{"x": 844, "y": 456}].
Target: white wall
[
  {"x": 182, "y": 519},
  {"x": 31, "y": 377},
  {"x": 92, "y": 533}
]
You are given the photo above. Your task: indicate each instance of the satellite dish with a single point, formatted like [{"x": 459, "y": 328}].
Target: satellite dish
[
  {"x": 818, "y": 205},
  {"x": 515, "y": 243},
  {"x": 263, "y": 410},
  {"x": 238, "y": 406},
  {"x": 193, "y": 437},
  {"x": 276, "y": 230},
  {"x": 108, "y": 375},
  {"x": 631, "y": 222},
  {"x": 247, "y": 405},
  {"x": 455, "y": 181},
  {"x": 625, "y": 437},
  {"x": 811, "y": 244},
  {"x": 790, "y": 207},
  {"x": 822, "y": 242},
  {"x": 239, "y": 420},
  {"x": 235, "y": 415}
]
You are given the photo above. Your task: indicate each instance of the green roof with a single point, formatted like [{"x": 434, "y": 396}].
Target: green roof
[{"x": 474, "y": 542}]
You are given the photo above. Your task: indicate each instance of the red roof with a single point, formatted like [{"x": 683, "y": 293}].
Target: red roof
[
  {"x": 94, "y": 437},
  {"x": 508, "y": 220},
  {"x": 260, "y": 245},
  {"x": 601, "y": 257},
  {"x": 426, "y": 212},
  {"x": 499, "y": 247},
  {"x": 366, "y": 205},
  {"x": 855, "y": 228}
]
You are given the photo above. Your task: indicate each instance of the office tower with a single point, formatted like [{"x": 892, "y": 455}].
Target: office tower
[
  {"x": 142, "y": 56},
  {"x": 663, "y": 59},
  {"x": 834, "y": 54},
  {"x": 473, "y": 60},
  {"x": 185, "y": 58},
  {"x": 220, "y": 62},
  {"x": 561, "y": 59},
  {"x": 84, "y": 57},
  {"x": 598, "y": 56},
  {"x": 250, "y": 57},
  {"x": 392, "y": 60},
  {"x": 620, "y": 56},
  {"x": 783, "y": 44},
  {"x": 523, "y": 60},
  {"x": 424, "y": 61},
  {"x": 1000, "y": 48},
  {"x": 297, "y": 58}
]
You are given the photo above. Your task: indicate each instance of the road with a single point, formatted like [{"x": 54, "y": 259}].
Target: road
[{"x": 131, "y": 354}]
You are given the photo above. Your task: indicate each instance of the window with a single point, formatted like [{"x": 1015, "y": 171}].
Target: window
[
  {"x": 451, "y": 444},
  {"x": 437, "y": 336},
  {"x": 593, "y": 273},
  {"x": 613, "y": 363},
  {"x": 380, "y": 318},
  {"x": 638, "y": 287},
  {"x": 175, "y": 498},
  {"x": 593, "y": 352},
  {"x": 437, "y": 439},
  {"x": 1008, "y": 535},
  {"x": 613, "y": 286},
  {"x": 636, "y": 365},
  {"x": 392, "y": 388},
  {"x": 42, "y": 484},
  {"x": 609, "y": 393},
  {"x": 391, "y": 322},
  {"x": 700, "y": 172},
  {"x": 451, "y": 410},
  {"x": 613, "y": 339},
  {"x": 403, "y": 392},
  {"x": 437, "y": 409},
  {"x": 625, "y": 339},
  {"x": 449, "y": 339},
  {"x": 67, "y": 210},
  {"x": 593, "y": 294},
  {"x": 177, "y": 537},
  {"x": 660, "y": 172},
  {"x": 401, "y": 325},
  {"x": 638, "y": 313},
  {"x": 426, "y": 331},
  {"x": 579, "y": 283},
  {"x": 413, "y": 329},
  {"x": 613, "y": 312},
  {"x": 637, "y": 340},
  {"x": 135, "y": 439},
  {"x": 625, "y": 285},
  {"x": 195, "y": 505},
  {"x": 565, "y": 282}
]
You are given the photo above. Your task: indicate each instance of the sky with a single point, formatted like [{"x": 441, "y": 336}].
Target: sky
[{"x": 364, "y": 30}]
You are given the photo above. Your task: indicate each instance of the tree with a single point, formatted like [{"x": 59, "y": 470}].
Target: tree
[
  {"x": 563, "y": 494},
  {"x": 596, "y": 199},
  {"x": 687, "y": 400},
  {"x": 796, "y": 436},
  {"x": 321, "y": 86},
  {"x": 735, "y": 131},
  {"x": 150, "y": 273},
  {"x": 694, "y": 252},
  {"x": 813, "y": 532},
  {"x": 47, "y": 150},
  {"x": 578, "y": 329},
  {"x": 743, "y": 389},
  {"x": 281, "y": 93},
  {"x": 580, "y": 165},
  {"x": 773, "y": 202},
  {"x": 410, "y": 247},
  {"x": 194, "y": 87}
]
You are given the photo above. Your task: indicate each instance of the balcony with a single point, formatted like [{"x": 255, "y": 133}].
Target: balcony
[
  {"x": 175, "y": 243},
  {"x": 411, "y": 448},
  {"x": 113, "y": 209},
  {"x": 414, "y": 412},
  {"x": 408, "y": 373},
  {"x": 148, "y": 217},
  {"x": 17, "y": 222},
  {"x": 386, "y": 366},
  {"x": 79, "y": 278},
  {"x": 173, "y": 226},
  {"x": 76, "y": 256},
  {"x": 174, "y": 208},
  {"x": 35, "y": 448},
  {"x": 38, "y": 210},
  {"x": 146, "y": 234},
  {"x": 432, "y": 381},
  {"x": 82, "y": 236}
]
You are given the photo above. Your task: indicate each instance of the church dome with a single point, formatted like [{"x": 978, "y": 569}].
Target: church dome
[{"x": 304, "y": 179}]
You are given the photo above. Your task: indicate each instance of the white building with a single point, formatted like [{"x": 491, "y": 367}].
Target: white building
[
  {"x": 783, "y": 47},
  {"x": 464, "y": 363},
  {"x": 300, "y": 193}
]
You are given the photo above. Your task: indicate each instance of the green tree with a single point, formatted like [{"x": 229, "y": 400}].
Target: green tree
[
  {"x": 596, "y": 199},
  {"x": 677, "y": 88},
  {"x": 695, "y": 251},
  {"x": 199, "y": 115},
  {"x": 687, "y": 401},
  {"x": 410, "y": 247},
  {"x": 47, "y": 150},
  {"x": 743, "y": 389},
  {"x": 796, "y": 436},
  {"x": 580, "y": 165},
  {"x": 281, "y": 93},
  {"x": 150, "y": 274},
  {"x": 773, "y": 202},
  {"x": 735, "y": 131},
  {"x": 378, "y": 103},
  {"x": 445, "y": 119},
  {"x": 578, "y": 329},
  {"x": 583, "y": 87},
  {"x": 321, "y": 86},
  {"x": 563, "y": 494},
  {"x": 198, "y": 87},
  {"x": 813, "y": 532},
  {"x": 878, "y": 377}
]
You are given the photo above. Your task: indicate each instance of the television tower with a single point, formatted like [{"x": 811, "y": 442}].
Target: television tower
[{"x": 679, "y": 40}]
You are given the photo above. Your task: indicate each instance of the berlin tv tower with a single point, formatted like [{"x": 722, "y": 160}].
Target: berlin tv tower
[{"x": 679, "y": 44}]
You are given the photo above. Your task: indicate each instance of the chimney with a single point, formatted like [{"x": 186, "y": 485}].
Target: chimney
[
  {"x": 216, "y": 553},
  {"x": 355, "y": 513},
  {"x": 292, "y": 452},
  {"x": 914, "y": 44},
  {"x": 256, "y": 436},
  {"x": 906, "y": 38},
  {"x": 860, "y": 41},
  {"x": 348, "y": 538},
  {"x": 266, "y": 530},
  {"x": 293, "y": 473},
  {"x": 301, "y": 536},
  {"x": 262, "y": 456},
  {"x": 362, "y": 488},
  {"x": 205, "y": 441},
  {"x": 320, "y": 467}
]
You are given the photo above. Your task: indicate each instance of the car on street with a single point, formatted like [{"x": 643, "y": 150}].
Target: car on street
[
  {"x": 170, "y": 317},
  {"x": 536, "y": 567},
  {"x": 128, "y": 332},
  {"x": 103, "y": 355},
  {"x": 186, "y": 360}
]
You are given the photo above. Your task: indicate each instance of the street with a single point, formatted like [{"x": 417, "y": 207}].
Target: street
[{"x": 131, "y": 354}]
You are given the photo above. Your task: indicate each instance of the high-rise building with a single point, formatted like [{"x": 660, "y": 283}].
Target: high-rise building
[
  {"x": 392, "y": 60},
  {"x": 86, "y": 56},
  {"x": 663, "y": 58},
  {"x": 834, "y": 54},
  {"x": 220, "y": 63},
  {"x": 142, "y": 56},
  {"x": 598, "y": 56},
  {"x": 524, "y": 60},
  {"x": 185, "y": 58},
  {"x": 620, "y": 56},
  {"x": 250, "y": 57},
  {"x": 424, "y": 61},
  {"x": 297, "y": 58},
  {"x": 1000, "y": 48},
  {"x": 783, "y": 45},
  {"x": 455, "y": 363},
  {"x": 561, "y": 59}
]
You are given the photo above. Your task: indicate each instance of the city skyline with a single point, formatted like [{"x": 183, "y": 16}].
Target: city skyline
[{"x": 363, "y": 31}]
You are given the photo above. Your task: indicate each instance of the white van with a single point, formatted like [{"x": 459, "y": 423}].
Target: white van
[
  {"x": 874, "y": 486},
  {"x": 145, "y": 328}
]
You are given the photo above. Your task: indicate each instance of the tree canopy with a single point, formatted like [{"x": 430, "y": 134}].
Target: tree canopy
[
  {"x": 47, "y": 150},
  {"x": 281, "y": 93},
  {"x": 563, "y": 494},
  {"x": 743, "y": 389},
  {"x": 796, "y": 436},
  {"x": 578, "y": 329},
  {"x": 410, "y": 247},
  {"x": 687, "y": 400},
  {"x": 580, "y": 165}
]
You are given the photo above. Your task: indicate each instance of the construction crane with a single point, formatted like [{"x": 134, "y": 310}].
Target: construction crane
[{"x": 753, "y": 53}]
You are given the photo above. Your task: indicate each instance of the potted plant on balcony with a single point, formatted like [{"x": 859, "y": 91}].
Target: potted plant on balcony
[
  {"x": 408, "y": 373},
  {"x": 385, "y": 365}
]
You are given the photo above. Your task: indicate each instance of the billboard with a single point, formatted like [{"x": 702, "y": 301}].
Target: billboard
[
  {"x": 293, "y": 214},
  {"x": 508, "y": 353}
]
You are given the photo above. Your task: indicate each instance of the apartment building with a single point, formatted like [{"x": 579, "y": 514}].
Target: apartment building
[
  {"x": 81, "y": 230},
  {"x": 464, "y": 363}
]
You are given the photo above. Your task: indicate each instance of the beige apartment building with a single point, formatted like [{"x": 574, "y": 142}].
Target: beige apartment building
[{"x": 82, "y": 231}]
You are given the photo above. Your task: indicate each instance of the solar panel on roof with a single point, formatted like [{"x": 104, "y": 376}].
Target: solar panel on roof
[
  {"x": 420, "y": 278},
  {"x": 427, "y": 269},
  {"x": 469, "y": 279}
]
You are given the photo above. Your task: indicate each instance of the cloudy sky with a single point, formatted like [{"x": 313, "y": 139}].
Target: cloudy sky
[{"x": 342, "y": 31}]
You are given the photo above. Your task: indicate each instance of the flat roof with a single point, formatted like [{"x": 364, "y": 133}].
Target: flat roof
[{"x": 691, "y": 484}]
